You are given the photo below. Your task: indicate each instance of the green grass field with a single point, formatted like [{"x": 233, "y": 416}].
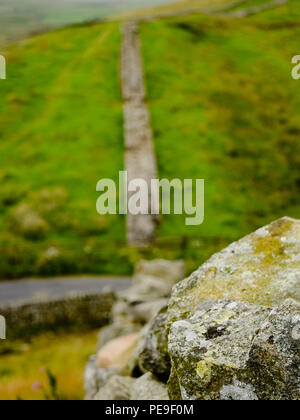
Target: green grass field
[
  {"x": 61, "y": 131},
  {"x": 224, "y": 107},
  {"x": 23, "y": 371}
]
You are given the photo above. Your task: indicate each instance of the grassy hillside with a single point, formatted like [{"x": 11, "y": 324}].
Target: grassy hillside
[
  {"x": 223, "y": 100},
  {"x": 224, "y": 107},
  {"x": 61, "y": 131}
]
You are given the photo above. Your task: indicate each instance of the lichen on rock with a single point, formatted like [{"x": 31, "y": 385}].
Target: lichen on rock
[
  {"x": 274, "y": 359},
  {"x": 210, "y": 349},
  {"x": 262, "y": 268},
  {"x": 236, "y": 350}
]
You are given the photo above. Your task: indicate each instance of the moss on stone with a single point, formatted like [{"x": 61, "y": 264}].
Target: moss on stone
[{"x": 261, "y": 268}]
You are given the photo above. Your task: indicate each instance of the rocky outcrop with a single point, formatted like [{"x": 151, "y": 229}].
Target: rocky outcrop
[{"x": 231, "y": 331}]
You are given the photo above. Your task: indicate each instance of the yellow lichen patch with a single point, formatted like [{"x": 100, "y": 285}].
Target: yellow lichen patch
[
  {"x": 271, "y": 246},
  {"x": 280, "y": 227},
  {"x": 204, "y": 370},
  {"x": 225, "y": 317},
  {"x": 261, "y": 268}
]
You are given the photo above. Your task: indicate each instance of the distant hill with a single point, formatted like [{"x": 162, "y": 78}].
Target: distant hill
[
  {"x": 19, "y": 17},
  {"x": 185, "y": 7}
]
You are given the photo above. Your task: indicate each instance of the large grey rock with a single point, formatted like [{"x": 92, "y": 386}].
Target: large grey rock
[
  {"x": 154, "y": 280},
  {"x": 153, "y": 350},
  {"x": 262, "y": 268},
  {"x": 236, "y": 350},
  {"x": 148, "y": 388},
  {"x": 210, "y": 349},
  {"x": 117, "y": 388},
  {"x": 274, "y": 359}
]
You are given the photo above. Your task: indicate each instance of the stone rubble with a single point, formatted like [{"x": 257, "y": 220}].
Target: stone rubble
[{"x": 231, "y": 331}]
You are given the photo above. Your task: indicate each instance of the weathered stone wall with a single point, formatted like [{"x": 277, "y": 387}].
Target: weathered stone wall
[
  {"x": 140, "y": 160},
  {"x": 79, "y": 313}
]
